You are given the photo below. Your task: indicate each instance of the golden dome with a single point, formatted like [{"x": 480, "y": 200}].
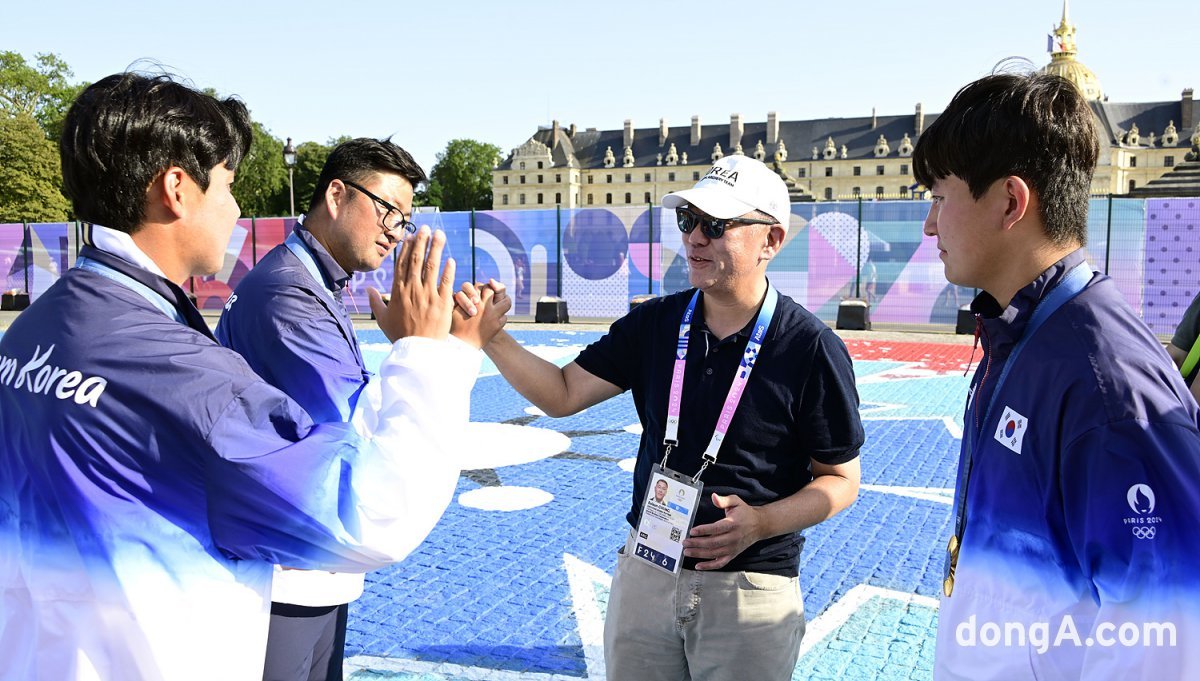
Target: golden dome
[{"x": 1063, "y": 62}]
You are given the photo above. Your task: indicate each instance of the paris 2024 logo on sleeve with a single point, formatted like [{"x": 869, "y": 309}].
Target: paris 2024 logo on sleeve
[{"x": 1144, "y": 524}]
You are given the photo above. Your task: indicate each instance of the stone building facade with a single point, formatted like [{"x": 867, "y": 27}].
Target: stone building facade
[{"x": 820, "y": 159}]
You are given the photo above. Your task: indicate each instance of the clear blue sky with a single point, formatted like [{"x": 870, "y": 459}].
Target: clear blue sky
[{"x": 428, "y": 72}]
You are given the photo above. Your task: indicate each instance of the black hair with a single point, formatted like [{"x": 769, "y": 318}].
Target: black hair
[
  {"x": 358, "y": 159},
  {"x": 122, "y": 132},
  {"x": 1035, "y": 126}
]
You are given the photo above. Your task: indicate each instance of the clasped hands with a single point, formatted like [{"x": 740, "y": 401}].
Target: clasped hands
[{"x": 423, "y": 304}]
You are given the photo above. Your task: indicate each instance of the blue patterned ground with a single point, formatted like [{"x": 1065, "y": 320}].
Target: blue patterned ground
[{"x": 521, "y": 594}]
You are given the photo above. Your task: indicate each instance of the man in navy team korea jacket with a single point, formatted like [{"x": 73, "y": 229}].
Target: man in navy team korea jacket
[
  {"x": 288, "y": 319},
  {"x": 1074, "y": 549},
  {"x": 149, "y": 479}
]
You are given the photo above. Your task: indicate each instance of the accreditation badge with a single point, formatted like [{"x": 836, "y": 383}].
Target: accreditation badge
[{"x": 667, "y": 516}]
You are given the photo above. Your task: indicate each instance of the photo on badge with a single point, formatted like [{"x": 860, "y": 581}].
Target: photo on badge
[{"x": 667, "y": 516}]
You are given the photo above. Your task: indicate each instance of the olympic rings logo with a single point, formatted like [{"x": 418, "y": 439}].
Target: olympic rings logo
[{"x": 1144, "y": 532}]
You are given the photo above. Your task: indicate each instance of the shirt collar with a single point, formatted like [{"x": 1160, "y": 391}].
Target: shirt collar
[
  {"x": 121, "y": 245},
  {"x": 336, "y": 278},
  {"x": 1012, "y": 319},
  {"x": 744, "y": 332}
]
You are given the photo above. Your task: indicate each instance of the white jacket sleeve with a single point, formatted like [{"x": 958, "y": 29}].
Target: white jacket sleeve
[{"x": 344, "y": 497}]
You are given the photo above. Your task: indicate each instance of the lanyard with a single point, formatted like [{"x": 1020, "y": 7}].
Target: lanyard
[
  {"x": 300, "y": 249},
  {"x": 749, "y": 356},
  {"x": 297, "y": 246},
  {"x": 85, "y": 263},
  {"x": 1069, "y": 286}
]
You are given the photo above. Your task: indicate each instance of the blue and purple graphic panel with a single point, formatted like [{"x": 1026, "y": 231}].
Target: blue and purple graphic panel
[
  {"x": 50, "y": 253},
  {"x": 1172, "y": 265},
  {"x": 212, "y": 291},
  {"x": 12, "y": 256},
  {"x": 598, "y": 258},
  {"x": 520, "y": 248}
]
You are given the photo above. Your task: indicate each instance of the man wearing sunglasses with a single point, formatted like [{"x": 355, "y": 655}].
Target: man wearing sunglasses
[
  {"x": 732, "y": 358},
  {"x": 288, "y": 319}
]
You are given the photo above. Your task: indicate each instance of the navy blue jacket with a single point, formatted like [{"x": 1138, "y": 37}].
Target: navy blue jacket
[
  {"x": 287, "y": 320},
  {"x": 1083, "y": 502},
  {"x": 291, "y": 327},
  {"x": 149, "y": 480}
]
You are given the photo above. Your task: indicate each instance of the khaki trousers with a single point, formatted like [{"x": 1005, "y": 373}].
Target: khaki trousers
[{"x": 701, "y": 626}]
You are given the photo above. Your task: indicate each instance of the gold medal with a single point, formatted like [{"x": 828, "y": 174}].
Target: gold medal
[{"x": 952, "y": 549}]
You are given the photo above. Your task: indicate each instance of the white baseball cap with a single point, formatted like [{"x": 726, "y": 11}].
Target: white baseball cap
[{"x": 734, "y": 186}]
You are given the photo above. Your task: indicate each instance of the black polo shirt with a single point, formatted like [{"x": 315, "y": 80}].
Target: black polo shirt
[{"x": 799, "y": 404}]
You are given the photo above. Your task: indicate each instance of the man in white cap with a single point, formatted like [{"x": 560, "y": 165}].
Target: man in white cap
[{"x": 762, "y": 443}]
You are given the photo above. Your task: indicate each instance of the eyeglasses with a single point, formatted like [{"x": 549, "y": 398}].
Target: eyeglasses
[
  {"x": 400, "y": 223},
  {"x": 713, "y": 228}
]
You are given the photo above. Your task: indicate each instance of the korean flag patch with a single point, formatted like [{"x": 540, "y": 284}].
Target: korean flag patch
[{"x": 1010, "y": 432}]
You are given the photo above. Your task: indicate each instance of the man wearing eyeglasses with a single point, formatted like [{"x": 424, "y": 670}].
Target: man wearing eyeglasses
[
  {"x": 288, "y": 319},
  {"x": 152, "y": 480},
  {"x": 742, "y": 391}
]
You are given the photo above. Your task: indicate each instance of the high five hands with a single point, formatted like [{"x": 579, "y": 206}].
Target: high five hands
[
  {"x": 479, "y": 311},
  {"x": 423, "y": 304}
]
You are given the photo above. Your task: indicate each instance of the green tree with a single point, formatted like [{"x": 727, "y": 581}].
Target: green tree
[
  {"x": 30, "y": 176},
  {"x": 260, "y": 186},
  {"x": 43, "y": 91},
  {"x": 310, "y": 159},
  {"x": 461, "y": 178}
]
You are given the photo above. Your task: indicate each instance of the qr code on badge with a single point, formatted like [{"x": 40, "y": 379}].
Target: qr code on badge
[{"x": 675, "y": 534}]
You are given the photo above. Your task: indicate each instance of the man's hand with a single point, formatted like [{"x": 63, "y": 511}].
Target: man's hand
[
  {"x": 467, "y": 300},
  {"x": 421, "y": 304},
  {"x": 480, "y": 312},
  {"x": 722, "y": 541}
]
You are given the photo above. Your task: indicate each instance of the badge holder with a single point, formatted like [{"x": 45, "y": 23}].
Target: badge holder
[{"x": 668, "y": 513}]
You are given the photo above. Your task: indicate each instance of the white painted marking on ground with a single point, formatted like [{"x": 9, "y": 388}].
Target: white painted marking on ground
[
  {"x": 941, "y": 495},
  {"x": 953, "y": 427},
  {"x": 583, "y": 578},
  {"x": 490, "y": 445},
  {"x": 506, "y": 498},
  {"x": 559, "y": 355},
  {"x": 840, "y": 612},
  {"x": 635, "y": 428},
  {"x": 371, "y": 667},
  {"x": 627, "y": 465},
  {"x": 534, "y": 411},
  {"x": 874, "y": 407}
]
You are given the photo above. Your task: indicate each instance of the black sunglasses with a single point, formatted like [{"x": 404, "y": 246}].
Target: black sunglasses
[
  {"x": 713, "y": 228},
  {"x": 400, "y": 223}
]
